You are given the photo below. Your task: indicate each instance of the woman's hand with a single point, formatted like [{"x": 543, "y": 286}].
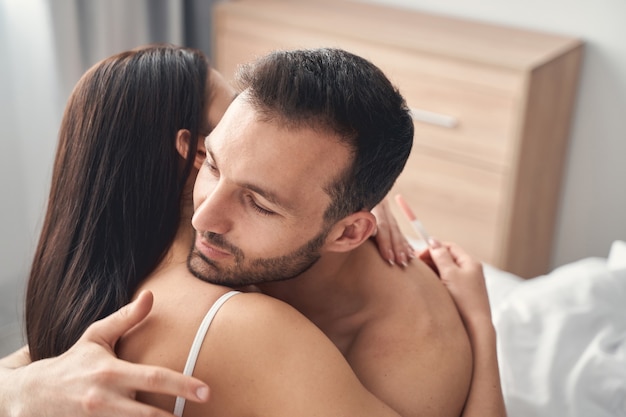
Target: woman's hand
[
  {"x": 463, "y": 277},
  {"x": 392, "y": 244}
]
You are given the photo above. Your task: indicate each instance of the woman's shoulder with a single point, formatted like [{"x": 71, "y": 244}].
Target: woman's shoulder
[
  {"x": 258, "y": 317},
  {"x": 265, "y": 348},
  {"x": 255, "y": 350},
  {"x": 239, "y": 323}
]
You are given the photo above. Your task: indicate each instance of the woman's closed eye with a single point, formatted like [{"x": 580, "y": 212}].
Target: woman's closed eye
[{"x": 209, "y": 163}]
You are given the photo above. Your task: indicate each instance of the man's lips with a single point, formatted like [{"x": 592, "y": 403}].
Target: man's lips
[{"x": 209, "y": 250}]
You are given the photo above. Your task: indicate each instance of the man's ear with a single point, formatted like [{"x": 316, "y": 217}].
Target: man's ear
[
  {"x": 351, "y": 231},
  {"x": 182, "y": 146}
]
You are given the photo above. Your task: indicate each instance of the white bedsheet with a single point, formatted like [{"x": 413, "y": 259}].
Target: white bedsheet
[{"x": 562, "y": 338}]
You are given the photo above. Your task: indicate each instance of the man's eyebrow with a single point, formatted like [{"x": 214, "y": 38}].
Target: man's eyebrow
[{"x": 269, "y": 195}]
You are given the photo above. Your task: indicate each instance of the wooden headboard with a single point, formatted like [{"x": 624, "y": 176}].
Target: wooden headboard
[{"x": 491, "y": 105}]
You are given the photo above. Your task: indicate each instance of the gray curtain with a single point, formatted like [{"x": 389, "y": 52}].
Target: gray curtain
[
  {"x": 45, "y": 46},
  {"x": 86, "y": 31}
]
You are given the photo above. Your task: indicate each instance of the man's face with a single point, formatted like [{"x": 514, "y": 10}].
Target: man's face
[{"x": 259, "y": 199}]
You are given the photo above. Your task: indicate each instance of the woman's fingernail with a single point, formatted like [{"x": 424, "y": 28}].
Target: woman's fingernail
[
  {"x": 390, "y": 258},
  {"x": 202, "y": 393},
  {"x": 434, "y": 243},
  {"x": 403, "y": 259}
]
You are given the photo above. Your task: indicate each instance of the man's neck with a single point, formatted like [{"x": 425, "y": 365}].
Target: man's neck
[{"x": 329, "y": 293}]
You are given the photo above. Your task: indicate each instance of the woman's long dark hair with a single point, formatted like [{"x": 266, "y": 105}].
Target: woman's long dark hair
[{"x": 115, "y": 199}]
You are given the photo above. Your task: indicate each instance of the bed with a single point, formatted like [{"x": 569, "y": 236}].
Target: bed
[{"x": 562, "y": 338}]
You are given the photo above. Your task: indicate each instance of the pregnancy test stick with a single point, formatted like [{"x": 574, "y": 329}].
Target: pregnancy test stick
[{"x": 417, "y": 225}]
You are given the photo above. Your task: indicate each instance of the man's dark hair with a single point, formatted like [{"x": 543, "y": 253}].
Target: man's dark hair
[{"x": 332, "y": 90}]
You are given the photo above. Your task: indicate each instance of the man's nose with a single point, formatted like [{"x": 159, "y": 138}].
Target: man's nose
[{"x": 214, "y": 212}]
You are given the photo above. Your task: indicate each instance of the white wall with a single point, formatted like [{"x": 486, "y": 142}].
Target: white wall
[
  {"x": 593, "y": 203},
  {"x": 29, "y": 115},
  {"x": 28, "y": 121}
]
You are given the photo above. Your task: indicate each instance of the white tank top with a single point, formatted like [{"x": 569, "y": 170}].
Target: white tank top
[{"x": 197, "y": 344}]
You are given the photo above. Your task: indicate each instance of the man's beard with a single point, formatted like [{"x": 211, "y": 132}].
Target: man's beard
[{"x": 256, "y": 271}]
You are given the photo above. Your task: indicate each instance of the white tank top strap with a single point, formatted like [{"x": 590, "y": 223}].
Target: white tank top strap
[{"x": 197, "y": 344}]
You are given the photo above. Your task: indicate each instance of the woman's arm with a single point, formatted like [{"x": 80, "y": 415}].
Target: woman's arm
[
  {"x": 88, "y": 380},
  {"x": 463, "y": 277}
]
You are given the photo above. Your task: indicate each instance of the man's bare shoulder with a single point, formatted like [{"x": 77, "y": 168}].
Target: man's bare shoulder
[
  {"x": 410, "y": 308},
  {"x": 410, "y": 305},
  {"x": 415, "y": 287},
  {"x": 412, "y": 350}
]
